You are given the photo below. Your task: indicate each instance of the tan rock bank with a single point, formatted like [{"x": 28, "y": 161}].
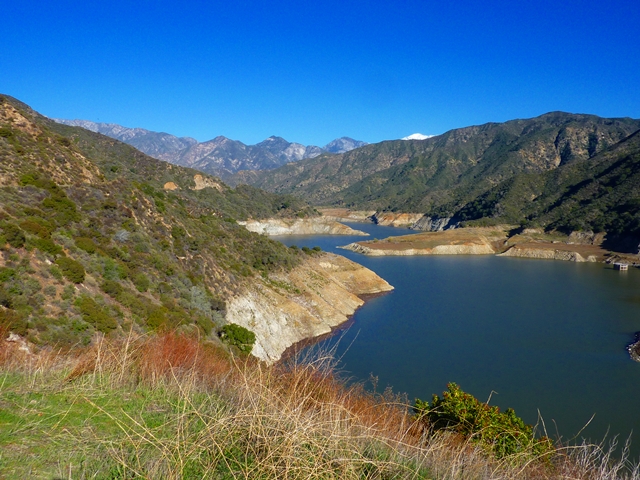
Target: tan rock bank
[
  {"x": 547, "y": 253},
  {"x": 300, "y": 226},
  {"x": 451, "y": 242},
  {"x": 304, "y": 303}
]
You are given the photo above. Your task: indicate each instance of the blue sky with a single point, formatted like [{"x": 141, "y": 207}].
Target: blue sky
[{"x": 314, "y": 71}]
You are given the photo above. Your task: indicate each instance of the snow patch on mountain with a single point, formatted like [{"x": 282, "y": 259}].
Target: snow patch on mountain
[{"x": 417, "y": 136}]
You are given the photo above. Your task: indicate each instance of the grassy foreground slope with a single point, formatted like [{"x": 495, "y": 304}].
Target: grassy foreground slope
[
  {"x": 171, "y": 407},
  {"x": 96, "y": 237}
]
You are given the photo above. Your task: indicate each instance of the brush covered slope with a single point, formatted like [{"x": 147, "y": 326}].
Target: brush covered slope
[
  {"x": 97, "y": 237},
  {"x": 558, "y": 170}
]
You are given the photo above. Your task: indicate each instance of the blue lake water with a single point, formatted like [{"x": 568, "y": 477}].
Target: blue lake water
[{"x": 541, "y": 336}]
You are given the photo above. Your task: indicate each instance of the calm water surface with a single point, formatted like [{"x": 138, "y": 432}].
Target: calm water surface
[{"x": 544, "y": 336}]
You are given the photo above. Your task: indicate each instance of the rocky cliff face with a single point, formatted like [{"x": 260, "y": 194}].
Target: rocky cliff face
[
  {"x": 300, "y": 226},
  {"x": 434, "y": 224},
  {"x": 389, "y": 219},
  {"x": 304, "y": 303},
  {"x": 347, "y": 215}
]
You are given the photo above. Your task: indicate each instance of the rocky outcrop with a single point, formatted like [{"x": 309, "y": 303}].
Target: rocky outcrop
[
  {"x": 205, "y": 182},
  {"x": 389, "y": 219},
  {"x": 434, "y": 224},
  {"x": 300, "y": 226},
  {"x": 634, "y": 349},
  {"x": 304, "y": 303},
  {"x": 586, "y": 238},
  {"x": 347, "y": 215},
  {"x": 547, "y": 253}
]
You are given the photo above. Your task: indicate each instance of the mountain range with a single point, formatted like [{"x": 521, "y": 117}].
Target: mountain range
[
  {"x": 558, "y": 170},
  {"x": 220, "y": 156}
]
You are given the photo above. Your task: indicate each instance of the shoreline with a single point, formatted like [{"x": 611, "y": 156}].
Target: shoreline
[{"x": 293, "y": 350}]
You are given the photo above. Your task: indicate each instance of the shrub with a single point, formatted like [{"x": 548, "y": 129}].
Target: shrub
[
  {"x": 68, "y": 292},
  {"x": 111, "y": 288},
  {"x": 71, "y": 269},
  {"x": 502, "y": 433},
  {"x": 55, "y": 272},
  {"x": 95, "y": 315},
  {"x": 5, "y": 298},
  {"x": 64, "y": 209},
  {"x": 47, "y": 245},
  {"x": 13, "y": 235},
  {"x": 36, "y": 228},
  {"x": 238, "y": 336},
  {"x": 6, "y": 273},
  {"x": 142, "y": 283},
  {"x": 205, "y": 324},
  {"x": 178, "y": 232},
  {"x": 86, "y": 244},
  {"x": 13, "y": 321},
  {"x": 157, "y": 318}
]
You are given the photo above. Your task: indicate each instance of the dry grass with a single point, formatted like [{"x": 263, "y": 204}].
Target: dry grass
[{"x": 192, "y": 411}]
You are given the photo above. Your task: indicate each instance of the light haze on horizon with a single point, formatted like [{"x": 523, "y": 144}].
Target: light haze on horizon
[{"x": 311, "y": 72}]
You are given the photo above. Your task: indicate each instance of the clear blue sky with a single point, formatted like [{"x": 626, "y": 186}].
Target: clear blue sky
[{"x": 312, "y": 71}]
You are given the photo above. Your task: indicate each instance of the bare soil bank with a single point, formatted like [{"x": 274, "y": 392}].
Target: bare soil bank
[{"x": 495, "y": 240}]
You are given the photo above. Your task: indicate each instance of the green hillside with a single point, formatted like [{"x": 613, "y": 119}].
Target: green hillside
[
  {"x": 558, "y": 170},
  {"x": 98, "y": 237},
  {"x": 602, "y": 194}
]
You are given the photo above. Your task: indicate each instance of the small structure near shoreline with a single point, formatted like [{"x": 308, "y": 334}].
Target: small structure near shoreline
[{"x": 621, "y": 266}]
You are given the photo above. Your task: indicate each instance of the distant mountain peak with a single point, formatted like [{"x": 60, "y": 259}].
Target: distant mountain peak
[{"x": 343, "y": 144}]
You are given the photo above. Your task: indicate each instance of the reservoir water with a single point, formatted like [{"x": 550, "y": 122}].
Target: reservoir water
[{"x": 544, "y": 337}]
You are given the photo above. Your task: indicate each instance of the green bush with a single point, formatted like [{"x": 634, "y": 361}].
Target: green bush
[
  {"x": 95, "y": 315},
  {"x": 14, "y": 321},
  {"x": 205, "y": 324},
  {"x": 142, "y": 283},
  {"x": 5, "y": 298},
  {"x": 47, "y": 245},
  {"x": 157, "y": 318},
  {"x": 62, "y": 207},
  {"x": 111, "y": 288},
  {"x": 502, "y": 433},
  {"x": 238, "y": 336},
  {"x": 71, "y": 269},
  {"x": 13, "y": 235},
  {"x": 55, "y": 272},
  {"x": 6, "y": 274},
  {"x": 36, "y": 227},
  {"x": 86, "y": 244}
]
